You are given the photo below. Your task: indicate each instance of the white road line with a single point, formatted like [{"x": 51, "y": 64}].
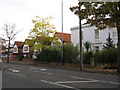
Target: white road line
[
  {"x": 43, "y": 69},
  {"x": 39, "y": 69},
  {"x": 57, "y": 84},
  {"x": 14, "y": 70},
  {"x": 41, "y": 72},
  {"x": 34, "y": 68},
  {"x": 75, "y": 81},
  {"x": 16, "y": 74},
  {"x": 95, "y": 80}
]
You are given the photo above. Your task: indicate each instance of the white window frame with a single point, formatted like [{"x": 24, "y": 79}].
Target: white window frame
[
  {"x": 16, "y": 48},
  {"x": 24, "y": 51},
  {"x": 114, "y": 34},
  {"x": 96, "y": 34}
]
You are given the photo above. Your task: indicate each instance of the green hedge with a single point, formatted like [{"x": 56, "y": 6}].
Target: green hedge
[
  {"x": 87, "y": 56},
  {"x": 107, "y": 56},
  {"x": 54, "y": 54}
]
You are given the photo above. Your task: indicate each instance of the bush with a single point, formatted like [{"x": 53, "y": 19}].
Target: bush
[
  {"x": 51, "y": 54},
  {"x": 54, "y": 54},
  {"x": 107, "y": 56},
  {"x": 19, "y": 57},
  {"x": 87, "y": 56},
  {"x": 70, "y": 53}
]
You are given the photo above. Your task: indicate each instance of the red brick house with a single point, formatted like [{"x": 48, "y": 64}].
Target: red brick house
[
  {"x": 17, "y": 48},
  {"x": 23, "y": 49}
]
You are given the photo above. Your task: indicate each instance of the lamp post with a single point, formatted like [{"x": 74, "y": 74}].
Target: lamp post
[{"x": 62, "y": 30}]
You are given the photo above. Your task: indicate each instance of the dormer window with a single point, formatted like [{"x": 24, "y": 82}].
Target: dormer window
[
  {"x": 26, "y": 49},
  {"x": 15, "y": 49}
]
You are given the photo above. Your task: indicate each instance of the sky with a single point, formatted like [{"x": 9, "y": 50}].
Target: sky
[{"x": 22, "y": 12}]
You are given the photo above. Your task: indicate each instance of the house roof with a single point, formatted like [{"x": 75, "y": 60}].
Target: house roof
[
  {"x": 66, "y": 36},
  {"x": 19, "y": 43},
  {"x": 26, "y": 40}
]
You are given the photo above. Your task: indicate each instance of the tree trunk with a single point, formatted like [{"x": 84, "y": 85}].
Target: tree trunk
[
  {"x": 80, "y": 41},
  {"x": 8, "y": 51}
]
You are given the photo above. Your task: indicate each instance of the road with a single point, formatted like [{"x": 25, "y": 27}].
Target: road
[{"x": 24, "y": 76}]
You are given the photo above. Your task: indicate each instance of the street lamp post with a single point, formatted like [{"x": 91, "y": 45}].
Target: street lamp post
[{"x": 62, "y": 30}]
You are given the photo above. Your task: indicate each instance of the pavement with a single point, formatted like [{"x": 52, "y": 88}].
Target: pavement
[{"x": 26, "y": 76}]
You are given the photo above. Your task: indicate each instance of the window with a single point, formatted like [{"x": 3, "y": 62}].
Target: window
[
  {"x": 114, "y": 34},
  {"x": 96, "y": 34},
  {"x": 25, "y": 48},
  {"x": 97, "y": 48},
  {"x": 15, "y": 50}
]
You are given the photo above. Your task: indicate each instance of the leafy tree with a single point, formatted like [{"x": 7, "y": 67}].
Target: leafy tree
[
  {"x": 42, "y": 34},
  {"x": 102, "y": 15},
  {"x": 109, "y": 43},
  {"x": 82, "y": 14},
  {"x": 87, "y": 45}
]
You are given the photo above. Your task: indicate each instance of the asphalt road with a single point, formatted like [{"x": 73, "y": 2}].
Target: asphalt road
[{"x": 24, "y": 76}]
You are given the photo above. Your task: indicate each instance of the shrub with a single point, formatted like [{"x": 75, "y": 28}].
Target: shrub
[
  {"x": 107, "y": 56},
  {"x": 70, "y": 53},
  {"x": 50, "y": 54},
  {"x": 87, "y": 56},
  {"x": 54, "y": 54}
]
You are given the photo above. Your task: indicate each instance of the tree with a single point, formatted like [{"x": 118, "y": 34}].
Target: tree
[
  {"x": 87, "y": 45},
  {"x": 82, "y": 14},
  {"x": 10, "y": 34},
  {"x": 109, "y": 42},
  {"x": 42, "y": 35},
  {"x": 104, "y": 15}
]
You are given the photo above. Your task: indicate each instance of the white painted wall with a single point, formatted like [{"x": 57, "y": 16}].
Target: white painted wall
[{"x": 89, "y": 35}]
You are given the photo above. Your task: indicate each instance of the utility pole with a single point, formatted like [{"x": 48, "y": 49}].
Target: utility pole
[
  {"x": 80, "y": 39},
  {"x": 62, "y": 32}
]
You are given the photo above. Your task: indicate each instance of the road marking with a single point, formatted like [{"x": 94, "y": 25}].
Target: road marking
[
  {"x": 43, "y": 69},
  {"x": 41, "y": 72},
  {"x": 34, "y": 68},
  {"x": 16, "y": 74},
  {"x": 95, "y": 80},
  {"x": 75, "y": 81},
  {"x": 14, "y": 70},
  {"x": 58, "y": 84},
  {"x": 39, "y": 69}
]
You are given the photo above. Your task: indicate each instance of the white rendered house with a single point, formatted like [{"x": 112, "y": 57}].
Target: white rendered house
[{"x": 96, "y": 37}]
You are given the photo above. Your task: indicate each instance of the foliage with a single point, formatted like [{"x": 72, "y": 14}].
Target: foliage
[
  {"x": 70, "y": 53},
  {"x": 107, "y": 56},
  {"x": 53, "y": 54},
  {"x": 101, "y": 15},
  {"x": 86, "y": 57},
  {"x": 87, "y": 45},
  {"x": 109, "y": 43},
  {"x": 42, "y": 33},
  {"x": 20, "y": 57}
]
